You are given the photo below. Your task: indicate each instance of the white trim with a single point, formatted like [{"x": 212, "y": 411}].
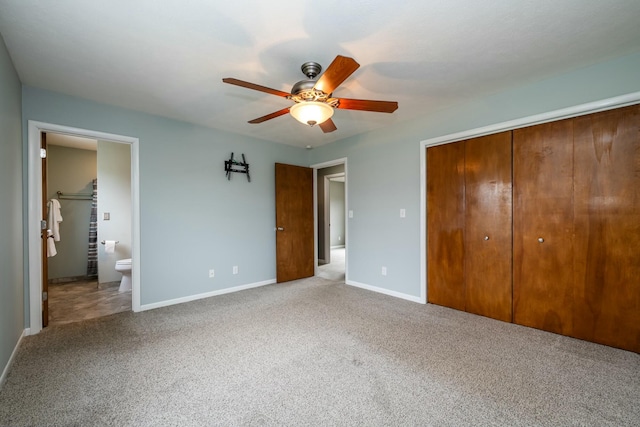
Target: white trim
[
  {"x": 206, "y": 295},
  {"x": 337, "y": 247},
  {"x": 5, "y": 371},
  {"x": 564, "y": 113},
  {"x": 384, "y": 291},
  {"x": 336, "y": 162},
  {"x": 34, "y": 204},
  {"x": 315, "y": 222},
  {"x": 423, "y": 224}
]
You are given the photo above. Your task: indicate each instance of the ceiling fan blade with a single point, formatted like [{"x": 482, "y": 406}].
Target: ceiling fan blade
[
  {"x": 328, "y": 126},
  {"x": 256, "y": 87},
  {"x": 367, "y": 105},
  {"x": 337, "y": 72},
  {"x": 270, "y": 116}
]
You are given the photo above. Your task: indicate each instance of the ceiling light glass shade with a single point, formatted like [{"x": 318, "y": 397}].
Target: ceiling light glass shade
[{"x": 311, "y": 112}]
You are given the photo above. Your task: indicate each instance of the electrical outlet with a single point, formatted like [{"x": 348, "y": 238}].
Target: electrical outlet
[
  {"x": 235, "y": 269},
  {"x": 384, "y": 271},
  {"x": 212, "y": 273},
  {"x": 403, "y": 213},
  {"x": 350, "y": 214}
]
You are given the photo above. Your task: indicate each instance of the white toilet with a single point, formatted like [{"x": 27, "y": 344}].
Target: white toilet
[{"x": 124, "y": 266}]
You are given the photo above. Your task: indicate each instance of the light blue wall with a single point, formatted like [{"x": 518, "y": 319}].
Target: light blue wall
[
  {"x": 192, "y": 218},
  {"x": 11, "y": 247},
  {"x": 384, "y": 166}
]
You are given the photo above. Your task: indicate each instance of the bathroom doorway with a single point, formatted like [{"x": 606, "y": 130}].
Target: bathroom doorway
[
  {"x": 81, "y": 278},
  {"x": 331, "y": 220},
  {"x": 37, "y": 203}
]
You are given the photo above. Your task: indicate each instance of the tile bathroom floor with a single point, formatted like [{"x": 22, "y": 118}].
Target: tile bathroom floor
[{"x": 81, "y": 300}]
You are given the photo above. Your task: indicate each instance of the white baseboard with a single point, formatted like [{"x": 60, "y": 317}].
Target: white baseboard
[
  {"x": 337, "y": 247},
  {"x": 5, "y": 371},
  {"x": 385, "y": 291},
  {"x": 206, "y": 295}
]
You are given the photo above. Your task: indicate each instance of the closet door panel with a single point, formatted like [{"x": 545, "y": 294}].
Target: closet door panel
[
  {"x": 607, "y": 217},
  {"x": 543, "y": 226},
  {"x": 488, "y": 226},
  {"x": 445, "y": 225}
]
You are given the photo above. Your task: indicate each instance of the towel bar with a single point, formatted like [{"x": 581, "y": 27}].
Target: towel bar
[{"x": 74, "y": 196}]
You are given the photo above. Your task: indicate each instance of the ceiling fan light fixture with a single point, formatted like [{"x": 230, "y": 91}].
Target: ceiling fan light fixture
[{"x": 311, "y": 112}]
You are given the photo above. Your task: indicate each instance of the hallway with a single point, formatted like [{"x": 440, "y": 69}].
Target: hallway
[{"x": 335, "y": 270}]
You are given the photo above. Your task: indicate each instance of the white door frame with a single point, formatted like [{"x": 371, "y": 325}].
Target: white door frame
[
  {"x": 34, "y": 204},
  {"x": 336, "y": 162}
]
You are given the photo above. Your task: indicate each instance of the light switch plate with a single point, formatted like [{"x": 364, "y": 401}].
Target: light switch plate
[
  {"x": 403, "y": 213},
  {"x": 106, "y": 216}
]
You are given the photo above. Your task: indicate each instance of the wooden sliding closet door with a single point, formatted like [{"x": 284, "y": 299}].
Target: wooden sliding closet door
[
  {"x": 607, "y": 218},
  {"x": 469, "y": 227},
  {"x": 488, "y": 226},
  {"x": 445, "y": 225},
  {"x": 543, "y": 226}
]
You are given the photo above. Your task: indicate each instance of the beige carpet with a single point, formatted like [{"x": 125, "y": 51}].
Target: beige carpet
[{"x": 315, "y": 352}]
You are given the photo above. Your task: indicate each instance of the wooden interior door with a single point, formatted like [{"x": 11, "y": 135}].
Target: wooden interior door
[
  {"x": 43, "y": 234},
  {"x": 543, "y": 226},
  {"x": 294, "y": 222},
  {"x": 607, "y": 217},
  {"x": 445, "y": 225},
  {"x": 488, "y": 226}
]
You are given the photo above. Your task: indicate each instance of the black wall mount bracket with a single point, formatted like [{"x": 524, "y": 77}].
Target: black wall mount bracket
[{"x": 237, "y": 167}]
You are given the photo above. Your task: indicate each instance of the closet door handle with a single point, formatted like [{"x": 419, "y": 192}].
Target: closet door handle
[
  {"x": 540, "y": 239},
  {"x": 280, "y": 228},
  {"x": 486, "y": 237}
]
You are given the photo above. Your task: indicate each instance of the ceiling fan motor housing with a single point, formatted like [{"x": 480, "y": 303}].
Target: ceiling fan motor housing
[
  {"x": 302, "y": 85},
  {"x": 311, "y": 69}
]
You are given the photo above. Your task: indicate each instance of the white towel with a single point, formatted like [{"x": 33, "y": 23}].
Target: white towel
[
  {"x": 51, "y": 245},
  {"x": 54, "y": 218},
  {"x": 109, "y": 246}
]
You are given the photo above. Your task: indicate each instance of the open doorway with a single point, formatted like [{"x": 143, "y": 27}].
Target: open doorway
[
  {"x": 331, "y": 223},
  {"x": 86, "y": 177},
  {"x": 37, "y": 207}
]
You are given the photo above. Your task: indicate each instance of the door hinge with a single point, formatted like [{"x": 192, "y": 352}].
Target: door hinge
[
  {"x": 43, "y": 153},
  {"x": 45, "y": 296},
  {"x": 43, "y": 224}
]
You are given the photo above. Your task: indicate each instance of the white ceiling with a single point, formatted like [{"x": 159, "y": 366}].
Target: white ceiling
[{"x": 169, "y": 57}]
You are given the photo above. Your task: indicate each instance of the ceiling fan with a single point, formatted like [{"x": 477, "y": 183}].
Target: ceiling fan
[{"x": 314, "y": 104}]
